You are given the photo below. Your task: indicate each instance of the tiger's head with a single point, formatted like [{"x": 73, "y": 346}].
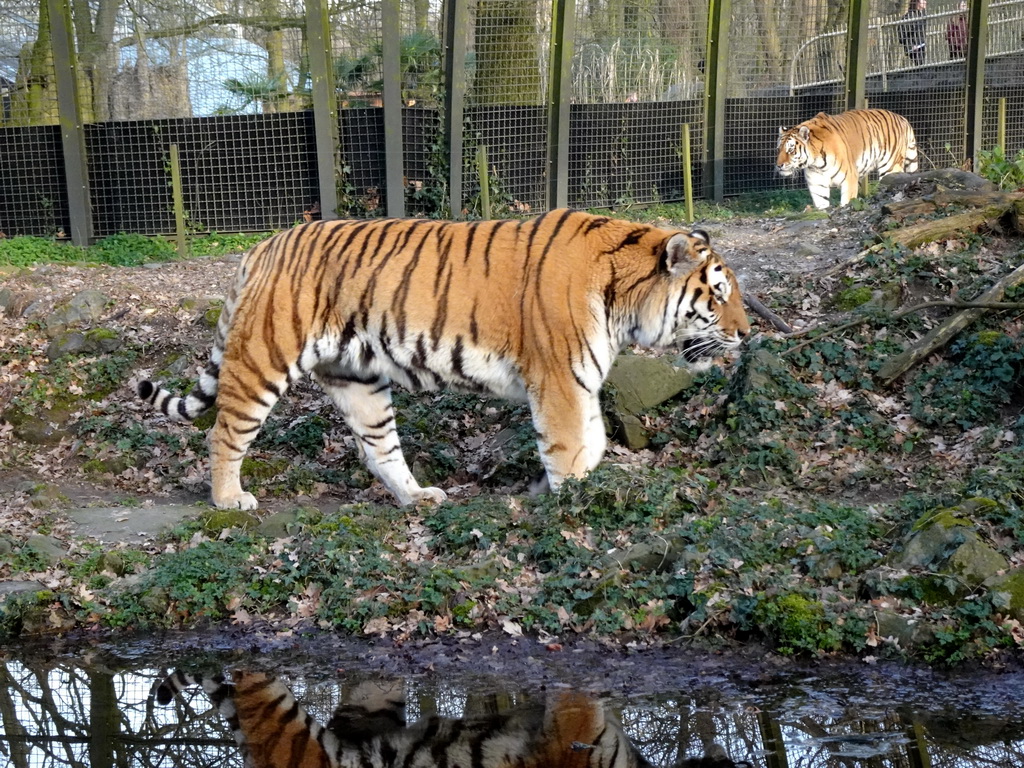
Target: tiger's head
[
  {"x": 795, "y": 151},
  {"x": 701, "y": 308},
  {"x": 710, "y": 320}
]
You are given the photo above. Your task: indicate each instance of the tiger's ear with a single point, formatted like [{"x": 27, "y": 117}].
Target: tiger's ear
[
  {"x": 805, "y": 132},
  {"x": 781, "y": 130},
  {"x": 680, "y": 257}
]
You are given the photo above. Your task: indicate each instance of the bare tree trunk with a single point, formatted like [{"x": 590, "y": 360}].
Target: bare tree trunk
[
  {"x": 35, "y": 100},
  {"x": 771, "y": 44},
  {"x": 421, "y": 15},
  {"x": 508, "y": 52},
  {"x": 96, "y": 56},
  {"x": 13, "y": 728}
]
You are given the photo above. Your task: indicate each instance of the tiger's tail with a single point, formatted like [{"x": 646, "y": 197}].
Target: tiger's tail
[
  {"x": 171, "y": 686},
  {"x": 204, "y": 394}
]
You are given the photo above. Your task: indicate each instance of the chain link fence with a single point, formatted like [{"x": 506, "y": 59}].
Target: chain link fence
[{"x": 224, "y": 94}]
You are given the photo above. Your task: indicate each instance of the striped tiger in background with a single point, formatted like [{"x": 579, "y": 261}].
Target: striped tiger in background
[
  {"x": 836, "y": 150},
  {"x": 530, "y": 310},
  {"x": 273, "y": 730}
]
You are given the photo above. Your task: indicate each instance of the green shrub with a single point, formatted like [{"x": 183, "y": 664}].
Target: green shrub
[
  {"x": 129, "y": 250},
  {"x": 1007, "y": 172},
  {"x": 26, "y": 251}
]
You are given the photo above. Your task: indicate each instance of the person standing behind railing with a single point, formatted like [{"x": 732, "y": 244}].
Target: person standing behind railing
[
  {"x": 910, "y": 32},
  {"x": 956, "y": 33}
]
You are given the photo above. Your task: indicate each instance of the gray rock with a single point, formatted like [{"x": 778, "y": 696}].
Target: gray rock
[
  {"x": 23, "y": 305},
  {"x": 1011, "y": 586},
  {"x": 907, "y": 632},
  {"x": 37, "y": 430},
  {"x": 643, "y": 382},
  {"x": 20, "y": 588},
  {"x": 47, "y": 496},
  {"x": 102, "y": 340},
  {"x": 132, "y": 525},
  {"x": 90, "y": 304},
  {"x": 975, "y": 561},
  {"x": 631, "y": 432},
  {"x": 47, "y": 547},
  {"x": 85, "y": 307},
  {"x": 936, "y": 536},
  {"x": 276, "y": 526},
  {"x": 66, "y": 343},
  {"x": 94, "y": 341}
]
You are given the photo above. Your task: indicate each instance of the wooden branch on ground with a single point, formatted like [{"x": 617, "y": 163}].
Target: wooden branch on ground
[
  {"x": 993, "y": 305},
  {"x": 762, "y": 311},
  {"x": 939, "y": 336}
]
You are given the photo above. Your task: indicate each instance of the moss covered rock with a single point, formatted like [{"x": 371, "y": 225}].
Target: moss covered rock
[
  {"x": 1011, "y": 585},
  {"x": 217, "y": 520},
  {"x": 640, "y": 383}
]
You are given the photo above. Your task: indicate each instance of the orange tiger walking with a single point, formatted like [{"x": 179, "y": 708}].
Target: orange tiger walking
[{"x": 531, "y": 310}]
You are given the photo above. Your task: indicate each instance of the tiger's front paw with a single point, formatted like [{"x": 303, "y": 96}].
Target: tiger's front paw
[
  {"x": 244, "y": 501},
  {"x": 430, "y": 495}
]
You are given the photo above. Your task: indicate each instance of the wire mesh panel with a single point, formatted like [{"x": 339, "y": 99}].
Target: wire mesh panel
[
  {"x": 239, "y": 173},
  {"x": 505, "y": 114},
  {"x": 357, "y": 55},
  {"x": 422, "y": 99},
  {"x": 1004, "y": 76},
  {"x": 637, "y": 77},
  {"x": 225, "y": 88},
  {"x": 33, "y": 195},
  {"x": 630, "y": 153},
  {"x": 785, "y": 66},
  {"x": 186, "y": 60},
  {"x": 917, "y": 69}
]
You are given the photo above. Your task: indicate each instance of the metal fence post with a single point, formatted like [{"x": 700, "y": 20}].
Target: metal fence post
[
  {"x": 715, "y": 85},
  {"x": 325, "y": 106},
  {"x": 977, "y": 45},
  {"x": 563, "y": 32},
  {"x": 391, "y": 70},
  {"x": 456, "y": 25},
  {"x": 857, "y": 54},
  {"x": 72, "y": 127}
]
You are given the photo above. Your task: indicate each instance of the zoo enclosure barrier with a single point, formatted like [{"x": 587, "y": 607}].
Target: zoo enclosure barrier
[{"x": 164, "y": 117}]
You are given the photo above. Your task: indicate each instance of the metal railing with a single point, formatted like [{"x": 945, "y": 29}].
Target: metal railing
[{"x": 820, "y": 60}]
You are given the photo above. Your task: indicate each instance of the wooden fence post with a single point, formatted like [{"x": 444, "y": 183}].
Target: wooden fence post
[{"x": 72, "y": 127}]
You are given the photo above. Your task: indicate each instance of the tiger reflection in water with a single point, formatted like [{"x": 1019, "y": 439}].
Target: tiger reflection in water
[{"x": 273, "y": 730}]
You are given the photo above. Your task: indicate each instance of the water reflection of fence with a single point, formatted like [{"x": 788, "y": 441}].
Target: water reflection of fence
[
  {"x": 65, "y": 715},
  {"x": 821, "y": 59}
]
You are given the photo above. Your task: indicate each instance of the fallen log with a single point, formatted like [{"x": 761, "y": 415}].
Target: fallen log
[
  {"x": 939, "y": 336},
  {"x": 944, "y": 198},
  {"x": 950, "y": 226},
  {"x": 762, "y": 311}
]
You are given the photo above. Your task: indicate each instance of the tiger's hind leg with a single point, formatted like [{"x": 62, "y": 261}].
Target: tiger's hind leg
[
  {"x": 367, "y": 409},
  {"x": 570, "y": 433},
  {"x": 242, "y": 407}
]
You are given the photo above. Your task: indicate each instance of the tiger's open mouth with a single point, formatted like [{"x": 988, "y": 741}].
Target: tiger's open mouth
[{"x": 784, "y": 171}]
